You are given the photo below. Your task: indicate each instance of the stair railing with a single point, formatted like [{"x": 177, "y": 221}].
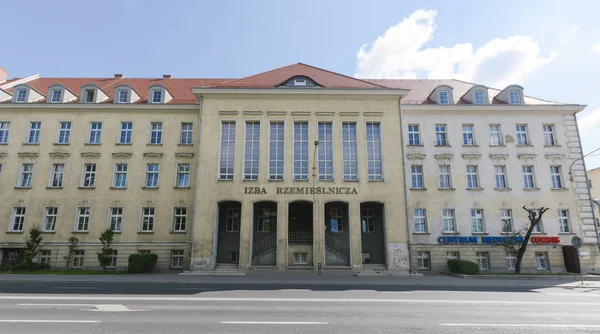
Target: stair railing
[{"x": 264, "y": 245}]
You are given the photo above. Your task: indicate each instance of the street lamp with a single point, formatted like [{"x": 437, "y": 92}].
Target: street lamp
[{"x": 574, "y": 161}]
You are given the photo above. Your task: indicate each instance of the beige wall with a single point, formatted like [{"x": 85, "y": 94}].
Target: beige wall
[{"x": 594, "y": 177}]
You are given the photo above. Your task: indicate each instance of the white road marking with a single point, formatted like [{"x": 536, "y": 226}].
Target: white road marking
[
  {"x": 59, "y": 305},
  {"x": 523, "y": 325},
  {"x": 75, "y": 288},
  {"x": 53, "y": 321},
  {"x": 97, "y": 307},
  {"x": 274, "y": 322}
]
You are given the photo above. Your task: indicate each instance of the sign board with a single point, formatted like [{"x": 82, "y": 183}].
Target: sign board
[
  {"x": 576, "y": 242},
  {"x": 584, "y": 254}
]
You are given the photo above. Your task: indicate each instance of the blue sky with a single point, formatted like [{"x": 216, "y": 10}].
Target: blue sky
[{"x": 550, "y": 47}]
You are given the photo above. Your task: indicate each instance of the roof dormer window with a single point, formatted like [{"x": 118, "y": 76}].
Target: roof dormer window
[
  {"x": 479, "y": 97},
  {"x": 123, "y": 96},
  {"x": 89, "y": 95},
  {"x": 21, "y": 95},
  {"x": 56, "y": 96},
  {"x": 444, "y": 97},
  {"x": 299, "y": 82},
  {"x": 515, "y": 97},
  {"x": 157, "y": 96}
]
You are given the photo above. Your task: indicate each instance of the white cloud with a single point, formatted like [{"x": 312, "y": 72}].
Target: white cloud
[
  {"x": 589, "y": 125},
  {"x": 400, "y": 53},
  {"x": 596, "y": 48},
  {"x": 571, "y": 32}
]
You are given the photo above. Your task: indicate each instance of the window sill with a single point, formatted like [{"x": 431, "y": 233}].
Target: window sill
[
  {"x": 531, "y": 189},
  {"x": 54, "y": 188},
  {"x": 552, "y": 146},
  {"x": 450, "y": 233},
  {"x": 301, "y": 180},
  {"x": 80, "y": 232},
  {"x": 3, "y": 143},
  {"x": 470, "y": 145},
  {"x": 182, "y": 188},
  {"x": 226, "y": 180},
  {"x": 446, "y": 189},
  {"x": 26, "y": 188},
  {"x": 420, "y": 145},
  {"x": 145, "y": 232},
  {"x": 178, "y": 232},
  {"x": 442, "y": 145},
  {"x": 376, "y": 181},
  {"x": 92, "y": 144},
  {"x": 48, "y": 232},
  {"x": 149, "y": 188},
  {"x": 539, "y": 233},
  {"x": 559, "y": 189},
  {"x": 154, "y": 144},
  {"x": 61, "y": 144},
  {"x": 503, "y": 189},
  {"x": 422, "y": 233},
  {"x": 124, "y": 144},
  {"x": 418, "y": 189},
  {"x": 480, "y": 233},
  {"x": 245, "y": 180},
  {"x": 87, "y": 188},
  {"x": 566, "y": 233},
  {"x": 497, "y": 145},
  {"x": 15, "y": 232},
  {"x": 474, "y": 189},
  {"x": 117, "y": 232},
  {"x": 328, "y": 181},
  {"x": 526, "y": 145},
  {"x": 118, "y": 188},
  {"x": 31, "y": 144},
  {"x": 185, "y": 144},
  {"x": 351, "y": 181},
  {"x": 275, "y": 180}
]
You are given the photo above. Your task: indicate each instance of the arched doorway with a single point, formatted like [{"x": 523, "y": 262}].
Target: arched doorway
[
  {"x": 300, "y": 234},
  {"x": 337, "y": 234},
  {"x": 372, "y": 233},
  {"x": 228, "y": 232},
  {"x": 264, "y": 234}
]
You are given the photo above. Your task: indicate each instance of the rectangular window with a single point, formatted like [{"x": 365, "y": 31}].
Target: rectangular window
[
  {"x": 226, "y": 163},
  {"x": 549, "y": 137},
  {"x": 156, "y": 133},
  {"x": 232, "y": 220},
  {"x": 83, "y": 219},
  {"x": 157, "y": 96},
  {"x": 300, "y": 258},
  {"x": 467, "y": 132},
  {"x": 472, "y": 177},
  {"x": 374, "y": 166},
  {"x": 556, "y": 175},
  {"x": 563, "y": 221},
  {"x": 445, "y": 177},
  {"x": 441, "y": 138},
  {"x": 45, "y": 257},
  {"x": 33, "y": 135},
  {"x": 95, "y": 133},
  {"x": 495, "y": 135},
  {"x": 56, "y": 95},
  {"x": 500, "y": 175},
  {"x": 515, "y": 97},
  {"x": 123, "y": 96},
  {"x": 64, "y": 133},
  {"x": 423, "y": 260},
  {"x": 325, "y": 148},
  {"x": 414, "y": 137},
  {"x": 78, "y": 256},
  {"x": 264, "y": 221},
  {"x": 21, "y": 95},
  {"x": 89, "y": 176},
  {"x": 537, "y": 228},
  {"x": 522, "y": 137},
  {"x": 57, "y": 173},
  {"x": 276, "y": 150},
  {"x": 25, "y": 176},
  {"x": 444, "y": 97},
  {"x": 18, "y": 221},
  {"x": 301, "y": 151},
  {"x": 477, "y": 221},
  {"x": 4, "y": 131},
  {"x": 49, "y": 224},
  {"x": 125, "y": 134},
  {"x": 177, "y": 258},
  {"x": 528, "y": 179},
  {"x": 420, "y": 220},
  {"x": 483, "y": 260},
  {"x": 416, "y": 172},
  {"x": 187, "y": 133},
  {"x": 148, "y": 219},
  {"x": 113, "y": 259},
  {"x": 368, "y": 220},
  {"x": 511, "y": 260},
  {"x": 479, "y": 97},
  {"x": 120, "y": 180},
  {"x": 542, "y": 262},
  {"x": 252, "y": 151},
  {"x": 349, "y": 152},
  {"x": 336, "y": 222},
  {"x": 152, "y": 170},
  {"x": 452, "y": 256},
  {"x": 89, "y": 95},
  {"x": 506, "y": 220},
  {"x": 183, "y": 175},
  {"x": 448, "y": 220},
  {"x": 116, "y": 218},
  {"x": 179, "y": 219}
]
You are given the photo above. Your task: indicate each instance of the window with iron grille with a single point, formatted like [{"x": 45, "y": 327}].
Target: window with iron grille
[
  {"x": 374, "y": 166},
  {"x": 414, "y": 137},
  {"x": 89, "y": 176},
  {"x": 423, "y": 261},
  {"x": 234, "y": 257},
  {"x": 116, "y": 218},
  {"x": 300, "y": 258},
  {"x": 301, "y": 151},
  {"x": 541, "y": 261},
  {"x": 33, "y": 135},
  {"x": 325, "y": 148},
  {"x": 57, "y": 173},
  {"x": 368, "y": 220},
  {"x": 448, "y": 220},
  {"x": 179, "y": 219},
  {"x": 563, "y": 221},
  {"x": 452, "y": 256},
  {"x": 483, "y": 260},
  {"x": 148, "y": 219},
  {"x": 420, "y": 218},
  {"x": 511, "y": 260},
  {"x": 113, "y": 259},
  {"x": 177, "y": 258},
  {"x": 78, "y": 256},
  {"x": 187, "y": 133},
  {"x": 445, "y": 177},
  {"x": 50, "y": 214},
  {"x": 416, "y": 172},
  {"x": 83, "y": 219},
  {"x": 45, "y": 257},
  {"x": 349, "y": 152},
  {"x": 232, "y": 220},
  {"x": 276, "y": 150}
]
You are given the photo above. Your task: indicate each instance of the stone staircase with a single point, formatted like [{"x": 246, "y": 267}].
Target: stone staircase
[{"x": 338, "y": 249}]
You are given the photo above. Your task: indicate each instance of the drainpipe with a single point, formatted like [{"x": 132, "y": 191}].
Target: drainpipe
[
  {"x": 195, "y": 188},
  {"x": 404, "y": 184}
]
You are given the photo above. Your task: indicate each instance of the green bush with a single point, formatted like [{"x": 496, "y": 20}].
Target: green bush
[
  {"x": 141, "y": 263},
  {"x": 31, "y": 266},
  {"x": 463, "y": 267}
]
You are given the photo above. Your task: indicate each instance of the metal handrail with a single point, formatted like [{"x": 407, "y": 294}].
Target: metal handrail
[
  {"x": 336, "y": 245},
  {"x": 264, "y": 245}
]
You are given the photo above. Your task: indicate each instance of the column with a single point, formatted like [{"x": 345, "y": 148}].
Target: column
[
  {"x": 282, "y": 233},
  {"x": 355, "y": 235},
  {"x": 246, "y": 233},
  {"x": 318, "y": 234}
]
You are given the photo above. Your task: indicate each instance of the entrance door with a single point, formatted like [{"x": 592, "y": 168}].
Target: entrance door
[
  {"x": 228, "y": 240},
  {"x": 264, "y": 234},
  {"x": 372, "y": 234},
  {"x": 337, "y": 234}
]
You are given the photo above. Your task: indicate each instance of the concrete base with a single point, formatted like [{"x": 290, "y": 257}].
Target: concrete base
[
  {"x": 211, "y": 273},
  {"x": 365, "y": 273}
]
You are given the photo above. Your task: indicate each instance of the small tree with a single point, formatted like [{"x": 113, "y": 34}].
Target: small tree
[
  {"x": 534, "y": 217},
  {"x": 72, "y": 247},
  {"x": 105, "y": 254},
  {"x": 32, "y": 246}
]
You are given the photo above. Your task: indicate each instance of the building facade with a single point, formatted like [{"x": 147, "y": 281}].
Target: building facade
[
  {"x": 292, "y": 168},
  {"x": 594, "y": 185}
]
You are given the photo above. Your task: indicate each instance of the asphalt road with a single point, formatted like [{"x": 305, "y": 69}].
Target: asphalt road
[{"x": 27, "y": 307}]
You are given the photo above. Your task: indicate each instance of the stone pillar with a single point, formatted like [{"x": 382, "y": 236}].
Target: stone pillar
[
  {"x": 318, "y": 233},
  {"x": 282, "y": 233},
  {"x": 246, "y": 233},
  {"x": 355, "y": 235}
]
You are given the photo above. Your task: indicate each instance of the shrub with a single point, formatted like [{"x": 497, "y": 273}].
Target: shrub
[
  {"x": 31, "y": 266},
  {"x": 141, "y": 263},
  {"x": 463, "y": 267}
]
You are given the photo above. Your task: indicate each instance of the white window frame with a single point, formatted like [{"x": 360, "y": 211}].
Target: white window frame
[
  {"x": 115, "y": 218},
  {"x": 147, "y": 219},
  {"x": 64, "y": 127},
  {"x": 263, "y": 224},
  {"x": 374, "y": 152},
  {"x": 50, "y": 218},
  {"x": 564, "y": 221},
  {"x": 479, "y": 97},
  {"x": 4, "y": 132},
  {"x": 57, "y": 173},
  {"x": 511, "y": 96},
  {"x": 33, "y": 135},
  {"x": 276, "y": 148},
  {"x": 156, "y": 128},
  {"x": 232, "y": 220},
  {"x": 448, "y": 220},
  {"x": 495, "y": 135},
  {"x": 473, "y": 177},
  {"x": 423, "y": 261},
  {"x": 483, "y": 260},
  {"x": 78, "y": 257},
  {"x": 82, "y": 218},
  {"x": 177, "y": 256},
  {"x": 300, "y": 258},
  {"x": 95, "y": 133},
  {"x": 325, "y": 148},
  {"x": 228, "y": 172},
  {"x": 452, "y": 255},
  {"x": 150, "y": 173},
  {"x": 549, "y": 135},
  {"x": 183, "y": 175},
  {"x": 86, "y": 95},
  {"x": 522, "y": 135},
  {"x": 123, "y": 96},
  {"x": 179, "y": 219},
  {"x": 25, "y": 179},
  {"x": 89, "y": 174},
  {"x": 349, "y": 151},
  {"x": 186, "y": 133},
  {"x": 113, "y": 259},
  {"x": 21, "y": 95},
  {"x": 45, "y": 256},
  {"x": 539, "y": 228},
  {"x": 414, "y": 135},
  {"x": 17, "y": 221},
  {"x": 441, "y": 135},
  {"x": 477, "y": 221},
  {"x": 367, "y": 220},
  {"x": 160, "y": 95},
  {"x": 301, "y": 150},
  {"x": 506, "y": 215},
  {"x": 127, "y": 132},
  {"x": 468, "y": 134},
  {"x": 417, "y": 177},
  {"x": 500, "y": 177},
  {"x": 445, "y": 176},
  {"x": 53, "y": 96},
  {"x": 511, "y": 260},
  {"x": 542, "y": 261},
  {"x": 528, "y": 177},
  {"x": 420, "y": 220},
  {"x": 444, "y": 97},
  {"x": 252, "y": 134},
  {"x": 119, "y": 170},
  {"x": 556, "y": 177}
]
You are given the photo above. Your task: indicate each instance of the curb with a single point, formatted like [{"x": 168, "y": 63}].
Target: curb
[{"x": 526, "y": 277}]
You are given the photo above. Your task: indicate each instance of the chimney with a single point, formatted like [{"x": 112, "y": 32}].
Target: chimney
[
  {"x": 118, "y": 76},
  {"x": 3, "y": 75},
  {"x": 166, "y": 76}
]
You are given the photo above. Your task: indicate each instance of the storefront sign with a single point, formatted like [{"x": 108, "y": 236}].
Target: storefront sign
[
  {"x": 302, "y": 191},
  {"x": 495, "y": 240},
  {"x": 545, "y": 240}
]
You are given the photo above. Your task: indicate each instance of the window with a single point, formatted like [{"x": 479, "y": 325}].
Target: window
[
  {"x": 445, "y": 177},
  {"x": 113, "y": 259},
  {"x": 300, "y": 258},
  {"x": 506, "y": 220},
  {"x": 177, "y": 258},
  {"x": 33, "y": 135},
  {"x": 95, "y": 133},
  {"x": 56, "y": 95},
  {"x": 89, "y": 95},
  {"x": 423, "y": 260},
  {"x": 477, "y": 220},
  {"x": 116, "y": 218},
  {"x": 420, "y": 220},
  {"x": 414, "y": 137},
  {"x": 89, "y": 176},
  {"x": 440, "y": 135},
  {"x": 325, "y": 148},
  {"x": 25, "y": 176},
  {"x": 336, "y": 221},
  {"x": 156, "y": 133},
  {"x": 78, "y": 258},
  {"x": 452, "y": 256},
  {"x": 528, "y": 180},
  {"x": 467, "y": 132},
  {"x": 472, "y": 177},
  {"x": 232, "y": 220},
  {"x": 479, "y": 97},
  {"x": 4, "y": 131},
  {"x": 444, "y": 97},
  {"x": 57, "y": 173},
  {"x": 64, "y": 133},
  {"x": 349, "y": 152},
  {"x": 252, "y": 151},
  {"x": 495, "y": 135},
  {"x": 549, "y": 138},
  {"x": 368, "y": 220},
  {"x": 157, "y": 96},
  {"x": 522, "y": 138},
  {"x": 483, "y": 260},
  {"x": 276, "y": 150},
  {"x": 416, "y": 172},
  {"x": 511, "y": 260},
  {"x": 125, "y": 135},
  {"x": 563, "y": 221},
  {"x": 21, "y": 95},
  {"x": 152, "y": 170},
  {"x": 448, "y": 220},
  {"x": 556, "y": 175},
  {"x": 542, "y": 262},
  {"x": 301, "y": 151},
  {"x": 500, "y": 175},
  {"x": 183, "y": 175},
  {"x": 374, "y": 168},
  {"x": 264, "y": 221},
  {"x": 18, "y": 221},
  {"x": 49, "y": 223},
  {"x": 123, "y": 96},
  {"x": 120, "y": 180},
  {"x": 538, "y": 228},
  {"x": 179, "y": 219},
  {"x": 45, "y": 257},
  {"x": 148, "y": 219},
  {"x": 515, "y": 97},
  {"x": 226, "y": 163},
  {"x": 83, "y": 219},
  {"x": 187, "y": 133}
]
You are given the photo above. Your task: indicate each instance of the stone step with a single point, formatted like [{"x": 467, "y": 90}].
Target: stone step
[{"x": 212, "y": 273}]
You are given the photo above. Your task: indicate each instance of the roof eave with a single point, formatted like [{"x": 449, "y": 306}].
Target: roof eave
[{"x": 300, "y": 91}]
